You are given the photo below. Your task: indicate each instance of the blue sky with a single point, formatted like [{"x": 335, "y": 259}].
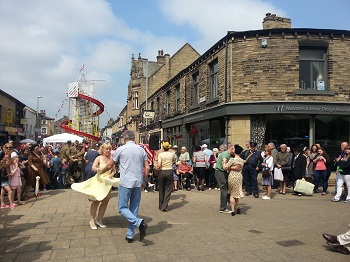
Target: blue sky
[{"x": 42, "y": 50}]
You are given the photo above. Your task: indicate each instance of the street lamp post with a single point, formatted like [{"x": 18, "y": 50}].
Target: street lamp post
[{"x": 37, "y": 117}]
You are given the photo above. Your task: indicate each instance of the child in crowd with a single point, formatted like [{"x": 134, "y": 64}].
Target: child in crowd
[
  {"x": 55, "y": 167},
  {"x": 63, "y": 174},
  {"x": 15, "y": 178},
  {"x": 5, "y": 182}
]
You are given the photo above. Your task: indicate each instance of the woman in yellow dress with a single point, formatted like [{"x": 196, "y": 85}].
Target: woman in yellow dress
[{"x": 98, "y": 188}]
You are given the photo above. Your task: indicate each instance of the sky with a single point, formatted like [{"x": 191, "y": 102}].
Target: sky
[{"x": 44, "y": 42}]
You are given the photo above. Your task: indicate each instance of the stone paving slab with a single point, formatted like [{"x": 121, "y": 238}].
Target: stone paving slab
[{"x": 55, "y": 227}]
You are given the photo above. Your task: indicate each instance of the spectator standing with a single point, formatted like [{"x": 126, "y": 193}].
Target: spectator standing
[
  {"x": 321, "y": 171},
  {"x": 252, "y": 164},
  {"x": 267, "y": 181},
  {"x": 166, "y": 160},
  {"x": 344, "y": 176},
  {"x": 200, "y": 167},
  {"x": 281, "y": 162},
  {"x": 90, "y": 157}
]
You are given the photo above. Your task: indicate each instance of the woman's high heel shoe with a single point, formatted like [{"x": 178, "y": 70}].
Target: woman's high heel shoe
[
  {"x": 93, "y": 225},
  {"x": 238, "y": 210},
  {"x": 100, "y": 224},
  {"x": 233, "y": 213}
]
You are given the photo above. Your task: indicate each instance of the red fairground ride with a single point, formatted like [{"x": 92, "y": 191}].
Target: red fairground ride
[{"x": 84, "y": 110}]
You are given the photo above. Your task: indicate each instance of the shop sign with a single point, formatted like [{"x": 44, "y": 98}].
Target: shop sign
[
  {"x": 24, "y": 121},
  {"x": 10, "y": 129},
  {"x": 316, "y": 109},
  {"x": 194, "y": 118},
  {"x": 9, "y": 116},
  {"x": 19, "y": 129},
  {"x": 148, "y": 114}
]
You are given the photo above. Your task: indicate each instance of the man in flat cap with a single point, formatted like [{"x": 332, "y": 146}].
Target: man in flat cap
[{"x": 252, "y": 163}]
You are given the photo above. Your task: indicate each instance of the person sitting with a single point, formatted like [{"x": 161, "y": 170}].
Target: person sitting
[{"x": 185, "y": 171}]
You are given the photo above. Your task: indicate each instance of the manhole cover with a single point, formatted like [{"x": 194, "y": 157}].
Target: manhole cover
[
  {"x": 290, "y": 243},
  {"x": 255, "y": 231}
]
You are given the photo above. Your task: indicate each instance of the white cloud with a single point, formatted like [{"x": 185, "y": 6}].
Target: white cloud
[
  {"x": 212, "y": 19},
  {"x": 45, "y": 42}
]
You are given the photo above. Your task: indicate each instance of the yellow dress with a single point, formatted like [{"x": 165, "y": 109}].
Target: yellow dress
[{"x": 97, "y": 187}]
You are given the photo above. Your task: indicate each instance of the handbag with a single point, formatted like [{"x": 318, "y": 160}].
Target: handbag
[
  {"x": 266, "y": 172},
  {"x": 277, "y": 173}
]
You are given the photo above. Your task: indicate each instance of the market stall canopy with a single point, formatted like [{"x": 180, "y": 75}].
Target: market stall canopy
[
  {"x": 62, "y": 138},
  {"x": 26, "y": 141}
]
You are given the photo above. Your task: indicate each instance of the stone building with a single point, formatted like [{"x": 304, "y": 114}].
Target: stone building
[
  {"x": 280, "y": 84},
  {"x": 11, "y": 118},
  {"x": 146, "y": 77}
]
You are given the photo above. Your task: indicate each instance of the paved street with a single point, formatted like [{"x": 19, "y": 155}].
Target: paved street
[{"x": 287, "y": 228}]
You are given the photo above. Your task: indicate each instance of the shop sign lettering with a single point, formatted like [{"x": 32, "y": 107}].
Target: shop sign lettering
[{"x": 328, "y": 109}]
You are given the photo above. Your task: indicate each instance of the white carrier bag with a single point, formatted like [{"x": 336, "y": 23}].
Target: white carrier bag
[{"x": 304, "y": 187}]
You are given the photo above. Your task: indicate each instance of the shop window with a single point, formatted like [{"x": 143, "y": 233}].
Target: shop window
[
  {"x": 158, "y": 107},
  {"x": 213, "y": 90},
  {"x": 313, "y": 68},
  {"x": 195, "y": 93},
  {"x": 177, "y": 98}
]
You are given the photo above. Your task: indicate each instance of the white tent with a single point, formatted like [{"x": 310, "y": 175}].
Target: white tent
[{"x": 62, "y": 138}]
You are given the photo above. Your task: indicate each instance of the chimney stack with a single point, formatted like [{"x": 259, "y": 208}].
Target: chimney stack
[
  {"x": 160, "y": 57},
  {"x": 272, "y": 21}
]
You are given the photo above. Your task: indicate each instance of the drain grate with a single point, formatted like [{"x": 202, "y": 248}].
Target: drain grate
[
  {"x": 255, "y": 231},
  {"x": 290, "y": 243}
]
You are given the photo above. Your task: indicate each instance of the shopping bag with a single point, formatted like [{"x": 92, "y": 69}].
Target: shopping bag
[
  {"x": 277, "y": 174},
  {"x": 304, "y": 187}
]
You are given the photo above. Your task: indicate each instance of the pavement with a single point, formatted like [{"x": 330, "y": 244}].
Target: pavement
[{"x": 55, "y": 227}]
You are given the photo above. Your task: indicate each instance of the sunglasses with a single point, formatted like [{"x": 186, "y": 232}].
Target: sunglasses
[{"x": 8, "y": 147}]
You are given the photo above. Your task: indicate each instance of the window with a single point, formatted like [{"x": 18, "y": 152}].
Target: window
[
  {"x": 44, "y": 131},
  {"x": 177, "y": 98},
  {"x": 195, "y": 94},
  {"x": 213, "y": 90},
  {"x": 136, "y": 100},
  {"x": 158, "y": 107},
  {"x": 313, "y": 68},
  {"x": 152, "y": 106},
  {"x": 168, "y": 100},
  {"x": 43, "y": 122}
]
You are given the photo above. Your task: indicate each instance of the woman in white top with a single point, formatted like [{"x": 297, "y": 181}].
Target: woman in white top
[{"x": 267, "y": 181}]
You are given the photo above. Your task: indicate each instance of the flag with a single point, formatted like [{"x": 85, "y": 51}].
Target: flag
[{"x": 82, "y": 67}]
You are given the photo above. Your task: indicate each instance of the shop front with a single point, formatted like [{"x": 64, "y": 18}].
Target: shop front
[{"x": 292, "y": 123}]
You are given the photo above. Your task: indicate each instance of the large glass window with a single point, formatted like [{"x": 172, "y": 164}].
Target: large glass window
[
  {"x": 195, "y": 94},
  {"x": 213, "y": 90},
  {"x": 313, "y": 68}
]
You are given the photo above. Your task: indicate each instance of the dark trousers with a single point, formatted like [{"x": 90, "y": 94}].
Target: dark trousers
[
  {"x": 221, "y": 178},
  {"x": 212, "y": 180},
  {"x": 166, "y": 184},
  {"x": 251, "y": 180},
  {"x": 188, "y": 177}
]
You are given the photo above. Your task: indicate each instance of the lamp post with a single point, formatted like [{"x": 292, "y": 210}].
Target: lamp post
[{"x": 37, "y": 117}]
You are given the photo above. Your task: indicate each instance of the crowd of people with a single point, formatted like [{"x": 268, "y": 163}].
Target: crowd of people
[{"x": 93, "y": 169}]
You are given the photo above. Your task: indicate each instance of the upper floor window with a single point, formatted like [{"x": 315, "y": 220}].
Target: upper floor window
[
  {"x": 313, "y": 66},
  {"x": 43, "y": 121},
  {"x": 44, "y": 131},
  {"x": 168, "y": 101},
  {"x": 136, "y": 100},
  {"x": 195, "y": 94},
  {"x": 213, "y": 89},
  {"x": 158, "y": 106},
  {"x": 177, "y": 98}
]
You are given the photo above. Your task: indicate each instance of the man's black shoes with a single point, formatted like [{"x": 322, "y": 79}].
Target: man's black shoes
[
  {"x": 143, "y": 227},
  {"x": 130, "y": 240}
]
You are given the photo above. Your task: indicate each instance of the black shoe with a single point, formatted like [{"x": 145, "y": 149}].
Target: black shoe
[
  {"x": 248, "y": 193},
  {"x": 238, "y": 211},
  {"x": 233, "y": 213},
  {"x": 202, "y": 189},
  {"x": 256, "y": 195},
  {"x": 143, "y": 227},
  {"x": 130, "y": 240}
]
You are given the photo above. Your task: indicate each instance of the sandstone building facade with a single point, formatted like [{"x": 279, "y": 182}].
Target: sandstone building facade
[{"x": 281, "y": 84}]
